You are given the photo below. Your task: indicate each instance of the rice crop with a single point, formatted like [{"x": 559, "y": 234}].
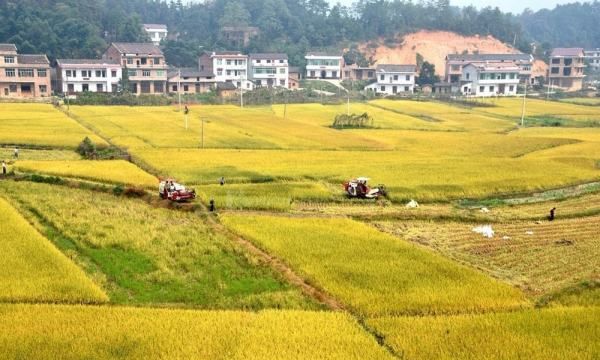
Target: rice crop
[
  {"x": 113, "y": 171},
  {"x": 553, "y": 334},
  {"x": 423, "y": 178},
  {"x": 150, "y": 255},
  {"x": 32, "y": 269},
  {"x": 371, "y": 272},
  {"x": 537, "y": 257},
  {"x": 76, "y": 332},
  {"x": 219, "y": 126},
  {"x": 41, "y": 125}
]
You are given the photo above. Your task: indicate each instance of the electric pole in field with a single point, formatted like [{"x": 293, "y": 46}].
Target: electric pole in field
[
  {"x": 179, "y": 87},
  {"x": 523, "y": 108},
  {"x": 186, "y": 111},
  {"x": 202, "y": 132}
]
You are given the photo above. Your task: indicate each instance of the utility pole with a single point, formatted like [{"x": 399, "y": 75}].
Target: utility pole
[
  {"x": 523, "y": 109},
  {"x": 179, "y": 88},
  {"x": 186, "y": 112},
  {"x": 67, "y": 95},
  {"x": 549, "y": 88},
  {"x": 241, "y": 91},
  {"x": 285, "y": 106},
  {"x": 202, "y": 132}
]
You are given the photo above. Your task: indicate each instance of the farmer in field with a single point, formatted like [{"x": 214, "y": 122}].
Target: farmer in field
[
  {"x": 222, "y": 181},
  {"x": 16, "y": 152},
  {"x": 3, "y": 167},
  {"x": 552, "y": 214}
]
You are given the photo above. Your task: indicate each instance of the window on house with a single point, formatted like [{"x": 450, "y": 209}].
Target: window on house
[
  {"x": 25, "y": 88},
  {"x": 383, "y": 88},
  {"x": 281, "y": 61},
  {"x": 85, "y": 87},
  {"x": 556, "y": 61},
  {"x": 156, "y": 61},
  {"x": 228, "y": 72},
  {"x": 219, "y": 61},
  {"x": 407, "y": 77},
  {"x": 146, "y": 73},
  {"x": 282, "y": 70},
  {"x": 43, "y": 89},
  {"x": 228, "y": 62},
  {"x": 481, "y": 88},
  {"x": 12, "y": 88},
  {"x": 9, "y": 59},
  {"x": 511, "y": 88},
  {"x": 159, "y": 87},
  {"x": 132, "y": 72},
  {"x": 86, "y": 73},
  {"x": 567, "y": 71},
  {"x": 71, "y": 88},
  {"x": 455, "y": 67},
  {"x": 25, "y": 72},
  {"x": 219, "y": 72},
  {"x": 406, "y": 88},
  {"x": 568, "y": 62},
  {"x": 186, "y": 88},
  {"x": 99, "y": 87},
  {"x": 143, "y": 61},
  {"x": 129, "y": 61},
  {"x": 160, "y": 72},
  {"x": 9, "y": 72},
  {"x": 468, "y": 76},
  {"x": 174, "y": 88},
  {"x": 268, "y": 61},
  {"x": 101, "y": 73},
  {"x": 555, "y": 70},
  {"x": 492, "y": 89},
  {"x": 114, "y": 87},
  {"x": 113, "y": 73},
  {"x": 382, "y": 77},
  {"x": 395, "y": 77},
  {"x": 281, "y": 82}
]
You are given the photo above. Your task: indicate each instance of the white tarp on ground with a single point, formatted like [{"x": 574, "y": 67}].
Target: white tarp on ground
[
  {"x": 412, "y": 204},
  {"x": 485, "y": 230}
]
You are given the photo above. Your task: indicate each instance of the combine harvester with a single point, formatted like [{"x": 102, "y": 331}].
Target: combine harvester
[
  {"x": 359, "y": 189},
  {"x": 171, "y": 190}
]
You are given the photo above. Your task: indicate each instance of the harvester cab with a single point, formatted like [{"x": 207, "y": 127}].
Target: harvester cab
[
  {"x": 359, "y": 189},
  {"x": 171, "y": 190}
]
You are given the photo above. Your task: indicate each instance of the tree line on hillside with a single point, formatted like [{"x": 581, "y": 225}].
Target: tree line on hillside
[{"x": 84, "y": 28}]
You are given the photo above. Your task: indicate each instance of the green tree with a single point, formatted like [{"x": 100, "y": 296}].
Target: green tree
[{"x": 427, "y": 74}]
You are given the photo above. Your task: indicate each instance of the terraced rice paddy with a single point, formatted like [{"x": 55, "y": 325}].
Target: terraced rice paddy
[
  {"x": 40, "y": 125},
  {"x": 374, "y": 274},
  {"x": 34, "y": 270},
  {"x": 537, "y": 257},
  {"x": 287, "y": 267}
]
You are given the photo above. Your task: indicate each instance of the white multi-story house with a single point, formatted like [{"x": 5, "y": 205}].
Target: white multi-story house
[
  {"x": 227, "y": 66},
  {"x": 83, "y": 75},
  {"x": 269, "y": 70},
  {"x": 490, "y": 79},
  {"x": 324, "y": 66},
  {"x": 394, "y": 79},
  {"x": 593, "y": 58},
  {"x": 456, "y": 62},
  {"x": 156, "y": 32}
]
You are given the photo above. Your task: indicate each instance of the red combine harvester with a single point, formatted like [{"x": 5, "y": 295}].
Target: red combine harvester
[
  {"x": 359, "y": 189},
  {"x": 170, "y": 190}
]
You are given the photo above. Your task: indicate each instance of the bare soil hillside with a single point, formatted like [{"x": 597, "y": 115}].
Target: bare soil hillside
[{"x": 433, "y": 46}]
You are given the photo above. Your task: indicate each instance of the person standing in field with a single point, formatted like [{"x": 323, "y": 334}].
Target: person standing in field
[
  {"x": 222, "y": 181},
  {"x": 552, "y": 214},
  {"x": 16, "y": 152},
  {"x": 3, "y": 167}
]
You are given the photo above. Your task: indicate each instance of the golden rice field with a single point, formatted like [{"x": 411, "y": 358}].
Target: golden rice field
[
  {"x": 224, "y": 127},
  {"x": 78, "y": 332},
  {"x": 267, "y": 196},
  {"x": 582, "y": 101},
  {"x": 113, "y": 171},
  {"x": 422, "y": 178},
  {"x": 40, "y": 125},
  {"x": 372, "y": 273},
  {"x": 537, "y": 257},
  {"x": 150, "y": 255},
  {"x": 33, "y": 270},
  {"x": 552, "y": 334},
  {"x": 288, "y": 267}
]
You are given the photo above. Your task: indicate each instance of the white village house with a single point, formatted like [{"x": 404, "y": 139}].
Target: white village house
[
  {"x": 490, "y": 79},
  {"x": 269, "y": 70},
  {"x": 394, "y": 79},
  {"x": 227, "y": 66},
  {"x": 88, "y": 75},
  {"x": 156, "y": 32},
  {"x": 324, "y": 66}
]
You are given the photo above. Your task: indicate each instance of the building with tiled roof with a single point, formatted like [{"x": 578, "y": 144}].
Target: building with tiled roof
[
  {"x": 456, "y": 62},
  {"x": 23, "y": 76},
  {"x": 143, "y": 64},
  {"x": 88, "y": 75},
  {"x": 393, "y": 79}
]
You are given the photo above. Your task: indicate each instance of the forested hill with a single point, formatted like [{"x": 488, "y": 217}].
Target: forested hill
[
  {"x": 566, "y": 25},
  {"x": 83, "y": 28}
]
